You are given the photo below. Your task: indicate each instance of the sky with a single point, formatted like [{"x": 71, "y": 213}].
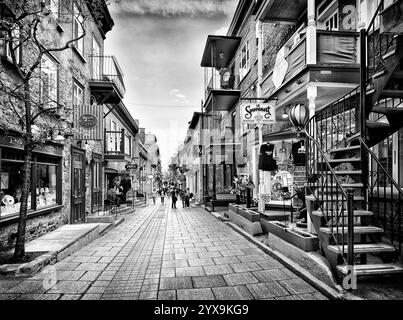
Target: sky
[{"x": 159, "y": 45}]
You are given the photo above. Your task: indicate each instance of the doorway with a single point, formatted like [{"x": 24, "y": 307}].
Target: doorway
[
  {"x": 78, "y": 185},
  {"x": 96, "y": 192}
]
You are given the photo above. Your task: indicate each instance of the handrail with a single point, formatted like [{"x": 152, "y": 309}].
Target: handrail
[
  {"x": 393, "y": 181},
  {"x": 327, "y": 163}
]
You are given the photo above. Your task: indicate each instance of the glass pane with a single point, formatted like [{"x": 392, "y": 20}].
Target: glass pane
[
  {"x": 45, "y": 186},
  {"x": 11, "y": 187}
]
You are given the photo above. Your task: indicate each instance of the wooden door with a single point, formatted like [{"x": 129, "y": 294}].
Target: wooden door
[{"x": 77, "y": 185}]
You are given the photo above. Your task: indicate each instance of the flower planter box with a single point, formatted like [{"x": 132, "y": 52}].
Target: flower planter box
[
  {"x": 247, "y": 214},
  {"x": 298, "y": 238}
]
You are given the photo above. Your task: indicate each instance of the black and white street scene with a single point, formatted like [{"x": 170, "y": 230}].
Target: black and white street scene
[{"x": 201, "y": 150}]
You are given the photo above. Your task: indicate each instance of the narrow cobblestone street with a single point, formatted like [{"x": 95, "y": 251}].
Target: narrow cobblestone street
[{"x": 165, "y": 254}]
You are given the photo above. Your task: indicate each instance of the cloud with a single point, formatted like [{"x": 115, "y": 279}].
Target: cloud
[
  {"x": 221, "y": 32},
  {"x": 174, "y": 8},
  {"x": 180, "y": 97}
]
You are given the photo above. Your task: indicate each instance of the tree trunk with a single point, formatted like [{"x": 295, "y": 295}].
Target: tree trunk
[
  {"x": 19, "y": 251},
  {"x": 22, "y": 222}
]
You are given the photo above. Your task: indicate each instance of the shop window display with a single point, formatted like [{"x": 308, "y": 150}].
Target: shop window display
[
  {"x": 11, "y": 183},
  {"x": 44, "y": 183}
]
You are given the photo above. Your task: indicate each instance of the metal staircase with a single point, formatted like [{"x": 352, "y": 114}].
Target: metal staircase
[{"x": 357, "y": 203}]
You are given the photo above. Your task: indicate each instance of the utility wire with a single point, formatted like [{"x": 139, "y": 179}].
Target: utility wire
[{"x": 157, "y": 105}]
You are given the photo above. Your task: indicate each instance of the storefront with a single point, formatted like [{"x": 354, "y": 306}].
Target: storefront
[
  {"x": 286, "y": 154},
  {"x": 46, "y": 183}
]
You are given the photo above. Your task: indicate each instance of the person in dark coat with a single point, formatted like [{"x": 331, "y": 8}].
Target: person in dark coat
[{"x": 174, "y": 199}]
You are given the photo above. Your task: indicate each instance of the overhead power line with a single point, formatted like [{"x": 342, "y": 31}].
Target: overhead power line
[{"x": 158, "y": 106}]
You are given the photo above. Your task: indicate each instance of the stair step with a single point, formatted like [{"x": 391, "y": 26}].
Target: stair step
[
  {"x": 387, "y": 111},
  {"x": 392, "y": 93},
  {"x": 330, "y": 198},
  {"x": 347, "y": 185},
  {"x": 342, "y": 160},
  {"x": 344, "y": 149},
  {"x": 377, "y": 125},
  {"x": 372, "y": 269},
  {"x": 357, "y": 213},
  {"x": 357, "y": 230},
  {"x": 389, "y": 54},
  {"x": 366, "y": 248},
  {"x": 379, "y": 74},
  {"x": 346, "y": 172}
]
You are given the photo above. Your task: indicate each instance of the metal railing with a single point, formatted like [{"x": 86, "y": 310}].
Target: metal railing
[
  {"x": 335, "y": 202},
  {"x": 385, "y": 197},
  {"x": 221, "y": 82},
  {"x": 107, "y": 69},
  {"x": 116, "y": 143}
]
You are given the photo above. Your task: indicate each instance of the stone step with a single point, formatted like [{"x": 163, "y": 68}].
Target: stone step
[{"x": 372, "y": 269}]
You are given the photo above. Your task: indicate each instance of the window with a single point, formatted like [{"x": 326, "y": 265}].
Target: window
[
  {"x": 244, "y": 63},
  {"x": 44, "y": 183},
  {"x": 15, "y": 43},
  {"x": 53, "y": 6},
  {"x": 96, "y": 59},
  {"x": 78, "y": 31},
  {"x": 78, "y": 94},
  {"x": 48, "y": 85}
]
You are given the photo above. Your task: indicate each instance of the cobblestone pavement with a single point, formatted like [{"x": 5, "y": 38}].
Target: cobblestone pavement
[{"x": 165, "y": 254}]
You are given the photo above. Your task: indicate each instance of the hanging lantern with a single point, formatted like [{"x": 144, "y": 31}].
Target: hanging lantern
[{"x": 299, "y": 116}]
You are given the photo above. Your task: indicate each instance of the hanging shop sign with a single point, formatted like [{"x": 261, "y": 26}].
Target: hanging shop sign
[
  {"x": 88, "y": 121},
  {"x": 257, "y": 113},
  {"x": 131, "y": 166}
]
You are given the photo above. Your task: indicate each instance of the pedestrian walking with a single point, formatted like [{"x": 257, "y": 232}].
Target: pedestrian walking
[
  {"x": 162, "y": 195},
  {"x": 182, "y": 196},
  {"x": 153, "y": 194},
  {"x": 187, "y": 198},
  {"x": 174, "y": 199}
]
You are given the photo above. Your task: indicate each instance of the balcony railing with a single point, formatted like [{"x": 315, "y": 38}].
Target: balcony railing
[
  {"x": 333, "y": 48},
  {"x": 106, "y": 69},
  {"x": 117, "y": 143},
  {"x": 221, "y": 82}
]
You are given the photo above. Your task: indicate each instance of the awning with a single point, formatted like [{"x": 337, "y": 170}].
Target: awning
[
  {"x": 219, "y": 51},
  {"x": 283, "y": 135},
  {"x": 110, "y": 170}
]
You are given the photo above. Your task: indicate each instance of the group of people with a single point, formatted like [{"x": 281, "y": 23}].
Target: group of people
[{"x": 174, "y": 194}]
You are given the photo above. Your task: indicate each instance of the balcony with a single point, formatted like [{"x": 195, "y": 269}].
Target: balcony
[
  {"x": 106, "y": 79},
  {"x": 282, "y": 11},
  {"x": 220, "y": 94},
  {"x": 118, "y": 146},
  {"x": 337, "y": 67},
  {"x": 392, "y": 18}
]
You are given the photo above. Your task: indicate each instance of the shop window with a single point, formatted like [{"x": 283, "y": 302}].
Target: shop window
[
  {"x": 11, "y": 184},
  {"x": 44, "y": 189},
  {"x": 244, "y": 63},
  {"x": 78, "y": 30},
  {"x": 48, "y": 85},
  {"x": 45, "y": 185}
]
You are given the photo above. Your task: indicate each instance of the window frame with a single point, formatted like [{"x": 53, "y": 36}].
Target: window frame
[
  {"x": 77, "y": 84},
  {"x": 18, "y": 50},
  {"x": 79, "y": 45},
  {"x": 47, "y": 59},
  {"x": 244, "y": 53}
]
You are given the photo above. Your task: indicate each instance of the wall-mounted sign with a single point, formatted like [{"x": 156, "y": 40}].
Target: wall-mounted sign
[
  {"x": 257, "y": 113},
  {"x": 87, "y": 121},
  {"x": 131, "y": 166}
]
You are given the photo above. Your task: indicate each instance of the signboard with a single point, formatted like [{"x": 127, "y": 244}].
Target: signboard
[
  {"x": 88, "y": 122},
  {"x": 257, "y": 113},
  {"x": 131, "y": 166}
]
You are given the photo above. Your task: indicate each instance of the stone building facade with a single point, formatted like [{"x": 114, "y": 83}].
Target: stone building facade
[{"x": 62, "y": 157}]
